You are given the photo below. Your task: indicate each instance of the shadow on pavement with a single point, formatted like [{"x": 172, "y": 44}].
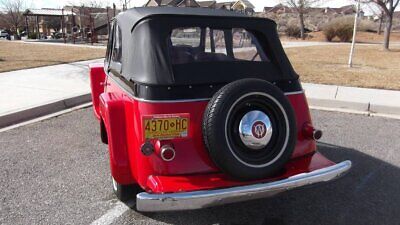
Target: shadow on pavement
[{"x": 368, "y": 194}]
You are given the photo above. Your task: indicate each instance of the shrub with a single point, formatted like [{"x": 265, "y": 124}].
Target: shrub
[
  {"x": 344, "y": 32},
  {"x": 32, "y": 35},
  {"x": 329, "y": 32},
  {"x": 341, "y": 27},
  {"x": 293, "y": 31}
]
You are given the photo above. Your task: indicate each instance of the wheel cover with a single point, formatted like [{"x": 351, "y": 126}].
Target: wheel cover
[
  {"x": 273, "y": 129},
  {"x": 255, "y": 129}
]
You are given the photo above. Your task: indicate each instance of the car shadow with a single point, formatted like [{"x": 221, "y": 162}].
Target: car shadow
[{"x": 368, "y": 194}]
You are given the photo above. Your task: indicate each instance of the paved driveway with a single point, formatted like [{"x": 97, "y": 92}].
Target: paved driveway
[{"x": 56, "y": 172}]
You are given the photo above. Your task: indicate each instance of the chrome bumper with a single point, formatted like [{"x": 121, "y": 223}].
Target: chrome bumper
[{"x": 201, "y": 199}]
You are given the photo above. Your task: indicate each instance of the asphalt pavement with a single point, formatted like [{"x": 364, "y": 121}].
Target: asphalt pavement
[{"x": 56, "y": 172}]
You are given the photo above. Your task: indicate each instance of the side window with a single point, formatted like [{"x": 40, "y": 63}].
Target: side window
[
  {"x": 215, "y": 41},
  {"x": 109, "y": 43},
  {"x": 207, "y": 44},
  {"x": 117, "y": 46},
  {"x": 186, "y": 36},
  {"x": 246, "y": 47}
]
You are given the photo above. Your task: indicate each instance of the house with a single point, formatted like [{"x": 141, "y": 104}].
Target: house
[
  {"x": 172, "y": 3},
  {"x": 207, "y": 4},
  {"x": 344, "y": 10},
  {"x": 68, "y": 20},
  {"x": 224, "y": 5},
  {"x": 279, "y": 8},
  {"x": 244, "y": 6}
]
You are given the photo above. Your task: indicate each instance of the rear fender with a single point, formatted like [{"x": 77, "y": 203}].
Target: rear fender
[
  {"x": 97, "y": 77},
  {"x": 112, "y": 112},
  {"x": 305, "y": 145}
]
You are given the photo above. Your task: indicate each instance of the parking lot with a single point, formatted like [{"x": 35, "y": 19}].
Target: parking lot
[{"x": 56, "y": 172}]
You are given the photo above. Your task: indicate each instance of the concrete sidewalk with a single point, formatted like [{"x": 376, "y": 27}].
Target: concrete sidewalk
[
  {"x": 30, "y": 93},
  {"x": 373, "y": 101}
]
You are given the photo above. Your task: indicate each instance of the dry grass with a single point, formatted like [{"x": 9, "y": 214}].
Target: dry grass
[
  {"x": 362, "y": 37},
  {"x": 373, "y": 67},
  {"x": 19, "y": 55}
]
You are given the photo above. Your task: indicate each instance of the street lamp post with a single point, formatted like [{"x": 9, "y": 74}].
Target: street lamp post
[{"x": 353, "y": 42}]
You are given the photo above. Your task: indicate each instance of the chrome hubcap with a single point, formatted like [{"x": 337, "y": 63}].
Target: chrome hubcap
[{"x": 255, "y": 130}]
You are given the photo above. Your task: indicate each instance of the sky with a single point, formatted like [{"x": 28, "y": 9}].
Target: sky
[{"x": 259, "y": 4}]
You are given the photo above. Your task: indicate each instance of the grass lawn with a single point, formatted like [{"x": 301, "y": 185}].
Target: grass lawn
[
  {"x": 19, "y": 55},
  {"x": 373, "y": 67},
  {"x": 362, "y": 37}
]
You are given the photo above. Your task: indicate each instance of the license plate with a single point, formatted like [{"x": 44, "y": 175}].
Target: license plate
[{"x": 166, "y": 126}]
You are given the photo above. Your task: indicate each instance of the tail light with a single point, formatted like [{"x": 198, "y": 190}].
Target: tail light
[{"x": 310, "y": 132}]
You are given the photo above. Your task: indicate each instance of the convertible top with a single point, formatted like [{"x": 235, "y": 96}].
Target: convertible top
[
  {"x": 135, "y": 15},
  {"x": 145, "y": 55}
]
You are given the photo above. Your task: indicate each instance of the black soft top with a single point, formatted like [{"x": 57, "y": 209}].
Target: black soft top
[
  {"x": 145, "y": 58},
  {"x": 135, "y": 15}
]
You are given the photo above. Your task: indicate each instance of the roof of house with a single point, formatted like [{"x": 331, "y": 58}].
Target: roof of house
[
  {"x": 176, "y": 3},
  {"x": 277, "y": 8},
  {"x": 188, "y": 3},
  {"x": 47, "y": 12},
  {"x": 246, "y": 3},
  {"x": 206, "y": 4},
  {"x": 267, "y": 8},
  {"x": 219, "y": 5},
  {"x": 346, "y": 9}
]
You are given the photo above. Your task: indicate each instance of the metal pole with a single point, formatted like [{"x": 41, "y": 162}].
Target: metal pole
[
  {"x": 63, "y": 25},
  {"x": 73, "y": 25},
  {"x": 353, "y": 42},
  {"x": 80, "y": 22},
  {"x": 37, "y": 28},
  {"x": 26, "y": 26}
]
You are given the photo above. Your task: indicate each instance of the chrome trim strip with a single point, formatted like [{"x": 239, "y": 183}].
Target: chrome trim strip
[
  {"x": 147, "y": 202},
  {"x": 170, "y": 101},
  {"x": 180, "y": 100},
  {"x": 294, "y": 92}
]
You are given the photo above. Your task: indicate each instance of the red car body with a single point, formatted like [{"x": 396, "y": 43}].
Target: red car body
[{"x": 121, "y": 118}]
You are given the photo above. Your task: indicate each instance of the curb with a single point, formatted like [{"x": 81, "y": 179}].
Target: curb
[
  {"x": 364, "y": 100},
  {"x": 366, "y": 108},
  {"x": 339, "y": 104},
  {"x": 42, "y": 110}
]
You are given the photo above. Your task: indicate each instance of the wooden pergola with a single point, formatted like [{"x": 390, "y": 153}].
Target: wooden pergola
[{"x": 36, "y": 13}]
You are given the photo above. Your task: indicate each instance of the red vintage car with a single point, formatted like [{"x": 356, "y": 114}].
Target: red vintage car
[{"x": 201, "y": 107}]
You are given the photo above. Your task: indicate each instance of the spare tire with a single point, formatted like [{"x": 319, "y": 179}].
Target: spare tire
[{"x": 249, "y": 129}]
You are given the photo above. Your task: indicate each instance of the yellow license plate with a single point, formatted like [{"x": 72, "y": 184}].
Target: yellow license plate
[{"x": 166, "y": 126}]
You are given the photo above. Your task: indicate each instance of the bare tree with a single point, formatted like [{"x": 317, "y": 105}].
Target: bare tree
[
  {"x": 93, "y": 3},
  {"x": 13, "y": 14},
  {"x": 388, "y": 7},
  {"x": 300, "y": 7},
  {"x": 378, "y": 12},
  {"x": 54, "y": 23}
]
